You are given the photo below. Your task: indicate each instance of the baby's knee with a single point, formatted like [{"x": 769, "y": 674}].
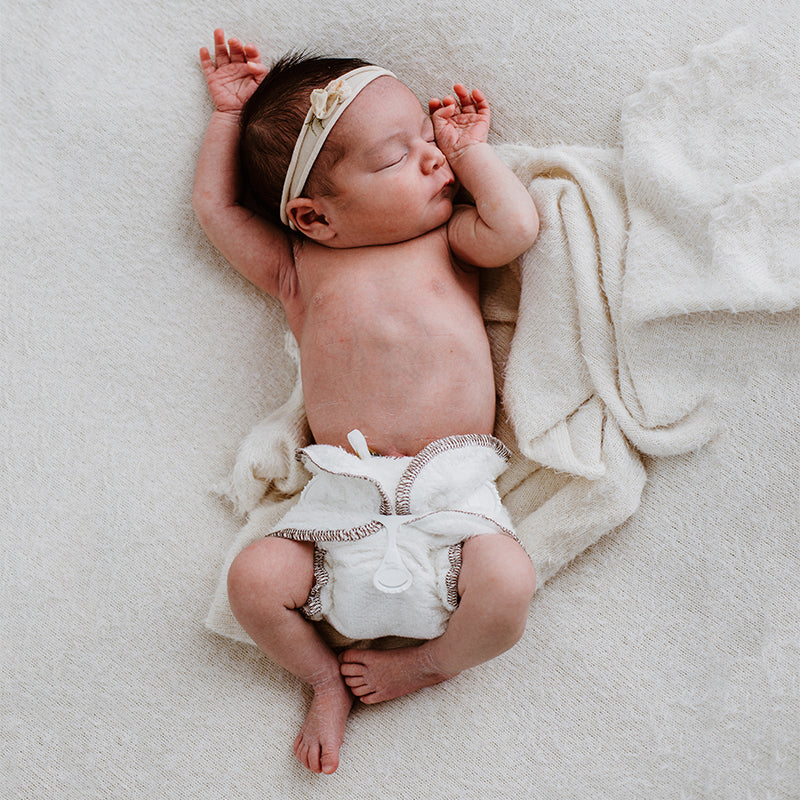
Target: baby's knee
[
  {"x": 269, "y": 572},
  {"x": 515, "y": 593},
  {"x": 502, "y": 564},
  {"x": 522, "y": 578},
  {"x": 498, "y": 572},
  {"x": 515, "y": 587}
]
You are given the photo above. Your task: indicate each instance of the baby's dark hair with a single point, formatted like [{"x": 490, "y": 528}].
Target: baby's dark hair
[{"x": 271, "y": 121}]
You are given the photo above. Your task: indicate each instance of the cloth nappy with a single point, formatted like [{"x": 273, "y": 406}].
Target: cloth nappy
[{"x": 388, "y": 531}]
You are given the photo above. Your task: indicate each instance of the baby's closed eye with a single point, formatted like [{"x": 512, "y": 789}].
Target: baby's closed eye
[{"x": 392, "y": 160}]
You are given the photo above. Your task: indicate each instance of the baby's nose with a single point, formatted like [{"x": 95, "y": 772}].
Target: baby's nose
[{"x": 434, "y": 158}]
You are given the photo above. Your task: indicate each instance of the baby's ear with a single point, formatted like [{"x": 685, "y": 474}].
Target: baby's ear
[{"x": 308, "y": 219}]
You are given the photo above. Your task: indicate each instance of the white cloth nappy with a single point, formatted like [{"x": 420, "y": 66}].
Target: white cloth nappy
[{"x": 388, "y": 531}]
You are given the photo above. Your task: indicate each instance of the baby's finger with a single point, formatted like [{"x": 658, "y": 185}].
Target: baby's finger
[
  {"x": 465, "y": 98},
  {"x": 481, "y": 103},
  {"x": 237, "y": 50},
  {"x": 205, "y": 61},
  {"x": 257, "y": 71},
  {"x": 220, "y": 48},
  {"x": 442, "y": 111},
  {"x": 251, "y": 53}
]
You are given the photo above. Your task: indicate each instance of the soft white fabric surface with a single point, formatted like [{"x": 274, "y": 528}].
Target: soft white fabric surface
[
  {"x": 387, "y": 532},
  {"x": 660, "y": 663},
  {"x": 622, "y": 230}
]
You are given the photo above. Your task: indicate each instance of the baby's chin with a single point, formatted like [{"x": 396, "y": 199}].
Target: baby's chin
[
  {"x": 430, "y": 217},
  {"x": 434, "y": 217},
  {"x": 442, "y": 213},
  {"x": 432, "y": 223}
]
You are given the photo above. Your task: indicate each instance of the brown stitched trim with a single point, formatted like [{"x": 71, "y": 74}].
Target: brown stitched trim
[
  {"x": 386, "y": 503},
  {"x": 313, "y": 605},
  {"x": 451, "y": 579},
  {"x": 502, "y": 532},
  {"x": 403, "y": 492},
  {"x": 338, "y": 535}
]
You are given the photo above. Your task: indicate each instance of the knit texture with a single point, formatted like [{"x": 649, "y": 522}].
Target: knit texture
[{"x": 659, "y": 662}]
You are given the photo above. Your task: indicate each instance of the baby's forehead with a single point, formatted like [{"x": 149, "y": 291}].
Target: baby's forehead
[
  {"x": 384, "y": 106},
  {"x": 389, "y": 86}
]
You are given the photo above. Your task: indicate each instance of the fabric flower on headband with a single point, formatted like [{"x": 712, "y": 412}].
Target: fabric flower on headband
[
  {"x": 325, "y": 101},
  {"x": 327, "y": 105}
]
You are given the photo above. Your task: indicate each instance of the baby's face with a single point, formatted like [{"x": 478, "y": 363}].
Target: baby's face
[{"x": 392, "y": 183}]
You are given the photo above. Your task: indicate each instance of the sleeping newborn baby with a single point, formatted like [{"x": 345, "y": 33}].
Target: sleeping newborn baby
[{"x": 326, "y": 184}]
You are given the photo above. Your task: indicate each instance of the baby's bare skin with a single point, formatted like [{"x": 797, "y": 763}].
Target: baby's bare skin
[
  {"x": 378, "y": 293},
  {"x": 392, "y": 342}
]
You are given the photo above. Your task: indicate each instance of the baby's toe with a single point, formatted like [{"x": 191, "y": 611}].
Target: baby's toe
[
  {"x": 306, "y": 754},
  {"x": 361, "y": 691},
  {"x": 329, "y": 760},
  {"x": 351, "y": 669},
  {"x": 313, "y": 758},
  {"x": 351, "y": 656}
]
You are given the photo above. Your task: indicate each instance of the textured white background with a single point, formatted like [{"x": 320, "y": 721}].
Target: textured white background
[{"x": 662, "y": 664}]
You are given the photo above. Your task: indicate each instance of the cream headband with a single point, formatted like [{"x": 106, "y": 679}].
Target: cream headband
[{"x": 327, "y": 106}]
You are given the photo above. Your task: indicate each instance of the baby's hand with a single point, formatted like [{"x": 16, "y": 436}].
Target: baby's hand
[
  {"x": 236, "y": 74},
  {"x": 461, "y": 121}
]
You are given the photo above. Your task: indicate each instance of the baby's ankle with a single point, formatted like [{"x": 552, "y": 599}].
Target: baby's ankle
[
  {"x": 326, "y": 680},
  {"x": 434, "y": 663}
]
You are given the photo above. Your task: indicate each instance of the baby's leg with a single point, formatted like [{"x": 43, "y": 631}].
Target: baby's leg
[
  {"x": 496, "y": 585},
  {"x": 267, "y": 583}
]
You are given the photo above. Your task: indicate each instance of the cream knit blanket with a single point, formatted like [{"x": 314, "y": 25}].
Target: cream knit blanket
[{"x": 698, "y": 211}]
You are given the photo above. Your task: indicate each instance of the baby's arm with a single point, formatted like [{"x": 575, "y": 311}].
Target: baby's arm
[
  {"x": 503, "y": 223},
  {"x": 258, "y": 250}
]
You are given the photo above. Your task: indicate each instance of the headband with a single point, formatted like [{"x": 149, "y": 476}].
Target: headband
[{"x": 327, "y": 105}]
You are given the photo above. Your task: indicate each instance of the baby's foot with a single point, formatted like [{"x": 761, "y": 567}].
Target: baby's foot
[
  {"x": 377, "y": 675},
  {"x": 317, "y": 745}
]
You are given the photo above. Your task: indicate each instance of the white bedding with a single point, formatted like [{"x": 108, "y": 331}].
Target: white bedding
[{"x": 660, "y": 307}]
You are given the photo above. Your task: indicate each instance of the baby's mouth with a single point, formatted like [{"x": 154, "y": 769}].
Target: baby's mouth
[{"x": 449, "y": 188}]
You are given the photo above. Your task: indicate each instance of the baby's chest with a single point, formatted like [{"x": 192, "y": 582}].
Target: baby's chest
[{"x": 386, "y": 278}]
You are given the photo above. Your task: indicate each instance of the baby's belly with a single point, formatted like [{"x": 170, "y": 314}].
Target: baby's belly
[{"x": 403, "y": 385}]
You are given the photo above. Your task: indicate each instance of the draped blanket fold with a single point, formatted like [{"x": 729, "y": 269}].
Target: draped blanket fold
[{"x": 698, "y": 211}]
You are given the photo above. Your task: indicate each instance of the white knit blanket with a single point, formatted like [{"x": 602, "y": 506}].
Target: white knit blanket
[{"x": 698, "y": 211}]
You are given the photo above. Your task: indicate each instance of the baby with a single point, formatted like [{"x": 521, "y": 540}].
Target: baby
[{"x": 358, "y": 237}]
